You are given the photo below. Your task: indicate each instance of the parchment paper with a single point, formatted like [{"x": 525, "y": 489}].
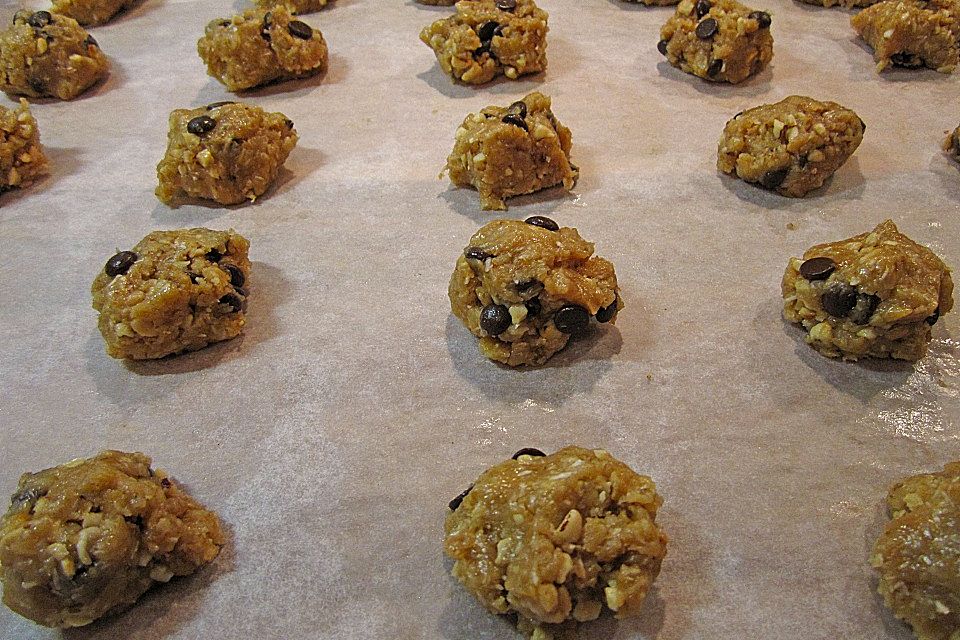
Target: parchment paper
[{"x": 332, "y": 434}]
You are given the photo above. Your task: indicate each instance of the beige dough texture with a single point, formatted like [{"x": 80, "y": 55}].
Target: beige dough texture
[
  {"x": 90, "y": 12},
  {"x": 918, "y": 554},
  {"x": 718, "y": 40},
  {"x": 524, "y": 287},
  {"x": 791, "y": 146},
  {"x": 227, "y": 152},
  {"x": 296, "y": 6},
  {"x": 88, "y": 538},
  {"x": 876, "y": 294},
  {"x": 508, "y": 151},
  {"x": 175, "y": 291},
  {"x": 261, "y": 46},
  {"x": 557, "y": 538},
  {"x": 486, "y": 38},
  {"x": 44, "y": 54},
  {"x": 912, "y": 33},
  {"x": 21, "y": 157}
]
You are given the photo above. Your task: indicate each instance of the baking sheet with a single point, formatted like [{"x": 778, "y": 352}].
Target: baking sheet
[{"x": 332, "y": 434}]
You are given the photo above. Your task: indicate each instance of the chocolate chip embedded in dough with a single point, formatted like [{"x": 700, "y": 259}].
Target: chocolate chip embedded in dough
[
  {"x": 300, "y": 30},
  {"x": 706, "y": 29},
  {"x": 528, "y": 451},
  {"x": 214, "y": 105},
  {"x": 817, "y": 268},
  {"x": 518, "y": 108},
  {"x": 702, "y": 8},
  {"x": 506, "y": 5},
  {"x": 932, "y": 319},
  {"x": 762, "y": 17},
  {"x": 455, "y": 503},
  {"x": 662, "y": 47},
  {"x": 906, "y": 60},
  {"x": 40, "y": 19},
  {"x": 237, "y": 279},
  {"x": 838, "y": 299},
  {"x": 534, "y": 307},
  {"x": 120, "y": 263},
  {"x": 715, "y": 67},
  {"x": 265, "y": 26},
  {"x": 864, "y": 308},
  {"x": 515, "y": 120},
  {"x": 495, "y": 319},
  {"x": 201, "y": 125},
  {"x": 214, "y": 255},
  {"x": 90, "y": 41},
  {"x": 487, "y": 30},
  {"x": 606, "y": 314},
  {"x": 234, "y": 301},
  {"x": 541, "y": 221},
  {"x": 475, "y": 253},
  {"x": 773, "y": 179},
  {"x": 571, "y": 318}
]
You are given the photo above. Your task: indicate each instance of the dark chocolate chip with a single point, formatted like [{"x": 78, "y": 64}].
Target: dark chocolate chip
[
  {"x": 288, "y": 123},
  {"x": 526, "y": 285},
  {"x": 518, "y": 108},
  {"x": 906, "y": 60},
  {"x": 662, "y": 47},
  {"x": 715, "y": 67},
  {"x": 541, "y": 221},
  {"x": 817, "y": 268},
  {"x": 455, "y": 503},
  {"x": 234, "y": 301},
  {"x": 473, "y": 253},
  {"x": 506, "y": 5},
  {"x": 224, "y": 23},
  {"x": 91, "y": 41},
  {"x": 201, "y": 125},
  {"x": 515, "y": 120},
  {"x": 606, "y": 314},
  {"x": 214, "y": 105},
  {"x": 300, "y": 30},
  {"x": 534, "y": 307},
  {"x": 236, "y": 274},
  {"x": 773, "y": 179},
  {"x": 265, "y": 26},
  {"x": 762, "y": 17},
  {"x": 864, "y": 308},
  {"x": 193, "y": 277},
  {"x": 528, "y": 451},
  {"x": 702, "y": 8},
  {"x": 863, "y": 125},
  {"x": 25, "y": 496},
  {"x": 571, "y": 318},
  {"x": 486, "y": 31},
  {"x": 38, "y": 85},
  {"x": 495, "y": 319},
  {"x": 706, "y": 28},
  {"x": 165, "y": 482},
  {"x": 482, "y": 49},
  {"x": 214, "y": 256},
  {"x": 120, "y": 263},
  {"x": 40, "y": 19},
  {"x": 838, "y": 299},
  {"x": 932, "y": 319}
]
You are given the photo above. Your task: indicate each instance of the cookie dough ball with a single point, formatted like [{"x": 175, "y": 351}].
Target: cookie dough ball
[
  {"x": 718, "y": 40},
  {"x": 21, "y": 156},
  {"x": 508, "y": 151},
  {"x": 87, "y": 538},
  {"x": 261, "y": 46},
  {"x": 228, "y": 152},
  {"x": 90, "y": 12},
  {"x": 524, "y": 287},
  {"x": 791, "y": 146},
  {"x": 487, "y": 38},
  {"x": 44, "y": 54},
  {"x": 556, "y": 538},
  {"x": 918, "y": 554},
  {"x": 175, "y": 291},
  {"x": 876, "y": 294},
  {"x": 296, "y": 6},
  {"x": 912, "y": 33}
]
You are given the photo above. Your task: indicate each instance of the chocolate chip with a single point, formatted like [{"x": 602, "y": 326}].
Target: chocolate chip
[
  {"x": 540, "y": 221},
  {"x": 234, "y": 301},
  {"x": 838, "y": 299},
  {"x": 534, "y": 307},
  {"x": 932, "y": 319},
  {"x": 165, "y": 483},
  {"x": 864, "y": 308},
  {"x": 515, "y": 120},
  {"x": 38, "y": 85},
  {"x": 518, "y": 108},
  {"x": 863, "y": 125},
  {"x": 193, "y": 277},
  {"x": 762, "y": 17},
  {"x": 486, "y": 31},
  {"x": 455, "y": 503},
  {"x": 201, "y": 125},
  {"x": 120, "y": 263},
  {"x": 662, "y": 46},
  {"x": 607, "y": 313},
  {"x": 715, "y": 67},
  {"x": 773, "y": 179},
  {"x": 706, "y": 28},
  {"x": 224, "y": 23},
  {"x": 214, "y": 105},
  {"x": 91, "y": 41},
  {"x": 25, "y": 496},
  {"x": 506, "y": 5},
  {"x": 40, "y": 19},
  {"x": 495, "y": 319},
  {"x": 906, "y": 60},
  {"x": 288, "y": 123},
  {"x": 265, "y": 26},
  {"x": 526, "y": 285},
  {"x": 528, "y": 451},
  {"x": 571, "y": 318},
  {"x": 817, "y": 268},
  {"x": 474, "y": 253},
  {"x": 702, "y": 8},
  {"x": 300, "y": 30},
  {"x": 214, "y": 255},
  {"x": 236, "y": 274}
]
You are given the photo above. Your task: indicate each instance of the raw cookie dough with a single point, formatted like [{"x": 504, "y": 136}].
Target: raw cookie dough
[
  {"x": 21, "y": 156},
  {"x": 175, "y": 291},
  {"x": 912, "y": 33},
  {"x": 485, "y": 38},
  {"x": 261, "y": 46},
  {"x": 718, "y": 40},
  {"x": 791, "y": 146},
  {"x": 228, "y": 152},
  {"x": 49, "y": 55},
  {"x": 555, "y": 538},
  {"x": 296, "y": 6},
  {"x": 524, "y": 287},
  {"x": 508, "y": 151},
  {"x": 87, "y": 538},
  {"x": 90, "y": 12},
  {"x": 918, "y": 554},
  {"x": 876, "y": 294}
]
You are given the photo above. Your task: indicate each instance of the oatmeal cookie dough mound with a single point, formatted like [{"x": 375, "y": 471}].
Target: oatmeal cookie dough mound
[
  {"x": 261, "y": 46},
  {"x": 912, "y": 33},
  {"x": 175, "y": 291},
  {"x": 87, "y": 538},
  {"x": 509, "y": 151},
  {"x": 44, "y": 54},
  {"x": 296, "y": 6},
  {"x": 556, "y": 538},
  {"x": 21, "y": 156},
  {"x": 876, "y": 294},
  {"x": 791, "y": 146},
  {"x": 228, "y": 152},
  {"x": 90, "y": 12},
  {"x": 718, "y": 40},
  {"x": 486, "y": 38},
  {"x": 524, "y": 287},
  {"x": 918, "y": 554}
]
